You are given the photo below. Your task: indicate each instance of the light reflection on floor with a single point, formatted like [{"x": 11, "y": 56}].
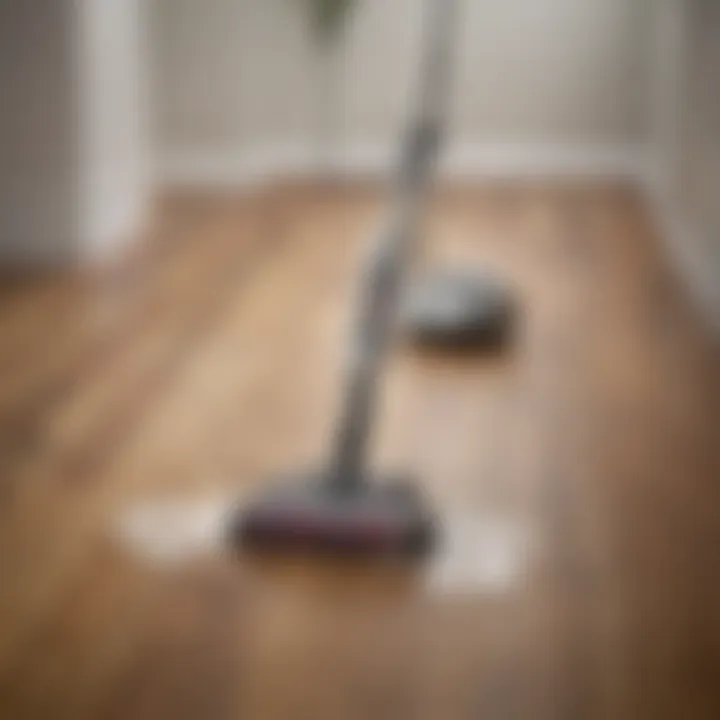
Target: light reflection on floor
[{"x": 477, "y": 554}]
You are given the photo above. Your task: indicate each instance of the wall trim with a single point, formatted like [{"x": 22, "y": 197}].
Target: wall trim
[{"x": 463, "y": 160}]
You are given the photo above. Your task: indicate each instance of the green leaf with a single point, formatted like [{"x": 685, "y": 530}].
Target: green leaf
[{"x": 329, "y": 17}]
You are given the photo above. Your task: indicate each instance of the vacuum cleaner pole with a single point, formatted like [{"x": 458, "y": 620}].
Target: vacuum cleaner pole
[
  {"x": 383, "y": 276},
  {"x": 425, "y": 132}
]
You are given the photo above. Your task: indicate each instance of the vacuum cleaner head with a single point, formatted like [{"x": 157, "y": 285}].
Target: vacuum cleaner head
[
  {"x": 456, "y": 310},
  {"x": 311, "y": 515}
]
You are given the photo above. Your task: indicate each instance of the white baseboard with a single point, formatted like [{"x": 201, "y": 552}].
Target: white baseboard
[
  {"x": 683, "y": 244},
  {"x": 462, "y": 160},
  {"x": 545, "y": 160}
]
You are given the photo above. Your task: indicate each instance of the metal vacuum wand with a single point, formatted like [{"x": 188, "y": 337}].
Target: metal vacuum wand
[{"x": 382, "y": 279}]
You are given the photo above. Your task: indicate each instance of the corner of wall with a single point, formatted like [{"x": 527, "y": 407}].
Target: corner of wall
[{"x": 680, "y": 240}]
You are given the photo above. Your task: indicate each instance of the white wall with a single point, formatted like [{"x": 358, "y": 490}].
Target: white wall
[
  {"x": 233, "y": 76},
  {"x": 698, "y": 166},
  {"x": 72, "y": 133},
  {"x": 113, "y": 122}
]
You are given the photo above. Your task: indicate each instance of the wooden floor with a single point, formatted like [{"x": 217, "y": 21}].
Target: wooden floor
[{"x": 212, "y": 359}]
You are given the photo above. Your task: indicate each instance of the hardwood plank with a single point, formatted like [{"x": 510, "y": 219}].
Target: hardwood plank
[{"x": 218, "y": 364}]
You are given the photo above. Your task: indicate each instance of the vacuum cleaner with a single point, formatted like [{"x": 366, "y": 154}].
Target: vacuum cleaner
[{"x": 343, "y": 508}]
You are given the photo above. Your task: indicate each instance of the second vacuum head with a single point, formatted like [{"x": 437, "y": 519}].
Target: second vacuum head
[{"x": 459, "y": 310}]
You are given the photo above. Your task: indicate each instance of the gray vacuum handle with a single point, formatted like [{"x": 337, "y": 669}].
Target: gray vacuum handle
[
  {"x": 372, "y": 337},
  {"x": 382, "y": 279},
  {"x": 425, "y": 133}
]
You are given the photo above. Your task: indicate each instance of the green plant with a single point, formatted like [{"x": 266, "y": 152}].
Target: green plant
[
  {"x": 327, "y": 21},
  {"x": 328, "y": 17}
]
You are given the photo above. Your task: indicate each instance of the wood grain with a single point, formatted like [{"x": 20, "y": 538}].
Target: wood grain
[{"x": 212, "y": 359}]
